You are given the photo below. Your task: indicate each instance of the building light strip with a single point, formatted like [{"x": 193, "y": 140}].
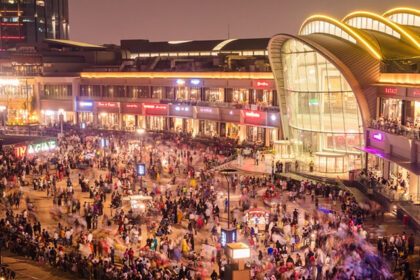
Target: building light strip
[
  {"x": 392, "y": 25},
  {"x": 346, "y": 28},
  {"x": 181, "y": 75}
]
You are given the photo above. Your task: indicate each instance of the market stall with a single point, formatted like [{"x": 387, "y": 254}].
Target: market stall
[{"x": 257, "y": 217}]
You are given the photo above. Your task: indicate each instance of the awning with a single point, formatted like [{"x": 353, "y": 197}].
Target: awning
[{"x": 404, "y": 163}]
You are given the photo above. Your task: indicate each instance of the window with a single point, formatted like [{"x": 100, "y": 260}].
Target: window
[{"x": 58, "y": 91}]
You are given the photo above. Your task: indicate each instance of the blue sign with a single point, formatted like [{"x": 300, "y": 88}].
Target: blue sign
[
  {"x": 227, "y": 236},
  {"x": 104, "y": 143},
  {"x": 85, "y": 105},
  {"x": 141, "y": 169},
  {"x": 195, "y": 82}
]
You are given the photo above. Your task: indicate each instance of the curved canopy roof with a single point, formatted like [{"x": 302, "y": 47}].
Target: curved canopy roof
[
  {"x": 404, "y": 16},
  {"x": 375, "y": 22},
  {"x": 329, "y": 25}
]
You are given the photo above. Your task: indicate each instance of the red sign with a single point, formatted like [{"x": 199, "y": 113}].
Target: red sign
[
  {"x": 155, "y": 106},
  {"x": 262, "y": 84},
  {"x": 20, "y": 151},
  {"x": 390, "y": 90},
  {"x": 131, "y": 106},
  {"x": 108, "y": 104},
  {"x": 416, "y": 92},
  {"x": 251, "y": 114}
]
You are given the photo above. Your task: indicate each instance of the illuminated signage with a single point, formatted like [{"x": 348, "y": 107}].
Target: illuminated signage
[
  {"x": 20, "y": 151},
  {"x": 180, "y": 108},
  {"x": 251, "y": 114},
  {"x": 107, "y": 104},
  {"x": 390, "y": 90},
  {"x": 262, "y": 84},
  {"x": 35, "y": 148},
  {"x": 378, "y": 136},
  {"x": 273, "y": 117},
  {"x": 131, "y": 106},
  {"x": 242, "y": 253},
  {"x": 195, "y": 82},
  {"x": 227, "y": 236},
  {"x": 416, "y": 92},
  {"x": 155, "y": 106},
  {"x": 313, "y": 102},
  {"x": 141, "y": 169},
  {"x": 85, "y": 104},
  {"x": 9, "y": 82},
  {"x": 206, "y": 110},
  {"x": 180, "y": 82}
]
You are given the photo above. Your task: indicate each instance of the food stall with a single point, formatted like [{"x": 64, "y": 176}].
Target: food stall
[{"x": 257, "y": 217}]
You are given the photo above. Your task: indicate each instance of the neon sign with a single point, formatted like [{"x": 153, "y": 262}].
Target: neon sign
[
  {"x": 390, "y": 90},
  {"x": 86, "y": 104},
  {"x": 252, "y": 114},
  {"x": 206, "y": 110},
  {"x": 180, "y": 82},
  {"x": 262, "y": 84},
  {"x": 378, "y": 136},
  {"x": 195, "y": 82},
  {"x": 155, "y": 106},
  {"x": 107, "y": 104},
  {"x": 416, "y": 92},
  {"x": 131, "y": 106},
  {"x": 20, "y": 151},
  {"x": 179, "y": 108},
  {"x": 35, "y": 148}
]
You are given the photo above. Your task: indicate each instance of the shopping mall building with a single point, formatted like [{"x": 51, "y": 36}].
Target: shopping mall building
[{"x": 327, "y": 95}]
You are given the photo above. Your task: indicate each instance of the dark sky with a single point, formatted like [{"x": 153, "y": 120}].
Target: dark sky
[{"x": 108, "y": 21}]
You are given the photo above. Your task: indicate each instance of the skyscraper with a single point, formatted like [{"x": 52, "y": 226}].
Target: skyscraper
[{"x": 32, "y": 21}]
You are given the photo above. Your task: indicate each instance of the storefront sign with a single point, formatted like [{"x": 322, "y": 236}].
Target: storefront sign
[
  {"x": 227, "y": 236},
  {"x": 132, "y": 106},
  {"x": 251, "y": 114},
  {"x": 156, "y": 109},
  {"x": 378, "y": 136},
  {"x": 413, "y": 92},
  {"x": 262, "y": 84},
  {"x": 86, "y": 104},
  {"x": 390, "y": 90},
  {"x": 416, "y": 92},
  {"x": 155, "y": 106},
  {"x": 206, "y": 110},
  {"x": 394, "y": 91},
  {"x": 180, "y": 82},
  {"x": 107, "y": 104},
  {"x": 182, "y": 108},
  {"x": 195, "y": 82},
  {"x": 21, "y": 151}
]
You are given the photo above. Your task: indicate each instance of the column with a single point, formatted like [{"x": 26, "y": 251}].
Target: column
[
  {"x": 242, "y": 133},
  {"x": 413, "y": 187},
  {"x": 75, "y": 93},
  {"x": 196, "y": 127}
]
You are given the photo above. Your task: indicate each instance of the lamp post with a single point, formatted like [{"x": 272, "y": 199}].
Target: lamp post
[
  {"x": 228, "y": 174},
  {"x": 61, "y": 117}
]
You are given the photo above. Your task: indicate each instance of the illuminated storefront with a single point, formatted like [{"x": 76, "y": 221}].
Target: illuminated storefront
[
  {"x": 84, "y": 109},
  {"x": 108, "y": 114},
  {"x": 208, "y": 128},
  {"x": 131, "y": 115},
  {"x": 156, "y": 116},
  {"x": 324, "y": 119}
]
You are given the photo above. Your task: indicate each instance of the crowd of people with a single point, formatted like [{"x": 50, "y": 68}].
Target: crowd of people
[
  {"x": 395, "y": 126},
  {"x": 107, "y": 222}
]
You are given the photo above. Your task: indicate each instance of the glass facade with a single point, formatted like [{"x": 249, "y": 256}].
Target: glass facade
[{"x": 322, "y": 110}]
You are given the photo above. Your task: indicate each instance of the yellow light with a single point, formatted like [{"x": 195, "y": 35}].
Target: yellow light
[
  {"x": 103, "y": 114},
  {"x": 401, "y": 10},
  {"x": 346, "y": 28},
  {"x": 9, "y": 82},
  {"x": 181, "y": 75},
  {"x": 140, "y": 131},
  {"x": 402, "y": 31},
  {"x": 403, "y": 79}
]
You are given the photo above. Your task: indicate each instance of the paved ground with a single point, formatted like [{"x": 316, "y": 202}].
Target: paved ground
[{"x": 30, "y": 270}]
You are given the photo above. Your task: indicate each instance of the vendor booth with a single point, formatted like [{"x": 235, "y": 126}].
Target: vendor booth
[{"x": 257, "y": 217}]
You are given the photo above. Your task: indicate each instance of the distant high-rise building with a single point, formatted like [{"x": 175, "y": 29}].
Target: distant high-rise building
[{"x": 32, "y": 21}]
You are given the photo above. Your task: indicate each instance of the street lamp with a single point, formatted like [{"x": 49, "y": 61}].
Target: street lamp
[
  {"x": 61, "y": 117},
  {"x": 228, "y": 174}
]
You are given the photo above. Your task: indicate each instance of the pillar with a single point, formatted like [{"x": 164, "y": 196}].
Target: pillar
[
  {"x": 242, "y": 133},
  {"x": 196, "y": 127},
  {"x": 413, "y": 186},
  {"x": 75, "y": 93}
]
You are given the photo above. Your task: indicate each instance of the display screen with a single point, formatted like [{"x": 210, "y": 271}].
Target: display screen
[{"x": 141, "y": 169}]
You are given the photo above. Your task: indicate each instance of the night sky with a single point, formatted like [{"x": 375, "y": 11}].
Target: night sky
[{"x": 108, "y": 21}]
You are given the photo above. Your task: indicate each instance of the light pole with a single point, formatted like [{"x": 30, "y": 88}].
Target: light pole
[
  {"x": 228, "y": 174},
  {"x": 61, "y": 117}
]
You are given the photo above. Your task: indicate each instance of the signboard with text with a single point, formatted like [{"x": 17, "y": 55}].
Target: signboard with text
[
  {"x": 31, "y": 149},
  {"x": 155, "y": 109}
]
